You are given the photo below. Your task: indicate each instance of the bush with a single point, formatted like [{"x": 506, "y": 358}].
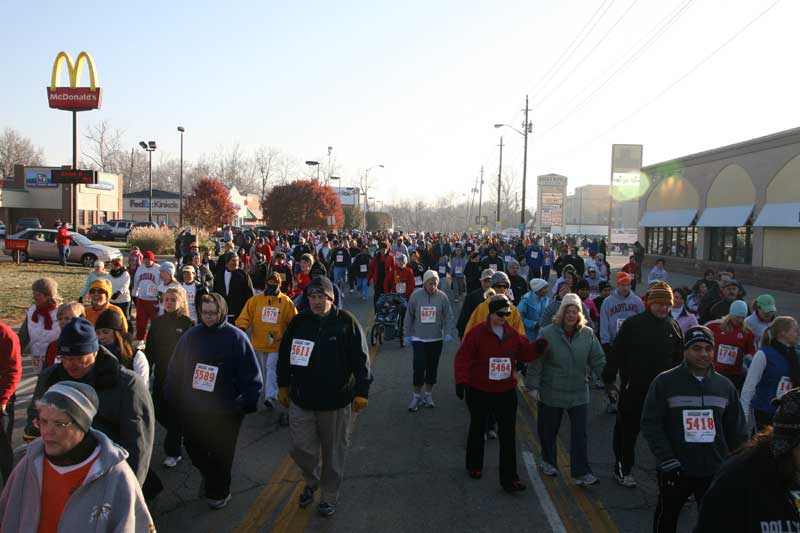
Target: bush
[{"x": 161, "y": 242}]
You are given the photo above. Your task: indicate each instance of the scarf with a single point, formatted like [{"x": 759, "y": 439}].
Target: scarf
[{"x": 44, "y": 312}]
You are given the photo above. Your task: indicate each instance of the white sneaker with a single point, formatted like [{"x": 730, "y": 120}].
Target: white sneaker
[
  {"x": 416, "y": 401},
  {"x": 219, "y": 504},
  {"x": 626, "y": 481},
  {"x": 172, "y": 462},
  {"x": 549, "y": 470},
  {"x": 427, "y": 401},
  {"x": 586, "y": 480}
]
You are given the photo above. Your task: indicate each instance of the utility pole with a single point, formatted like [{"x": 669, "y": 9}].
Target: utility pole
[
  {"x": 499, "y": 182},
  {"x": 525, "y": 128},
  {"x": 480, "y": 202}
]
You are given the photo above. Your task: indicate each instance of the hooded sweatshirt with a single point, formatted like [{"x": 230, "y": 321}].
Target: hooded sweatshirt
[
  {"x": 615, "y": 309},
  {"x": 429, "y": 317}
]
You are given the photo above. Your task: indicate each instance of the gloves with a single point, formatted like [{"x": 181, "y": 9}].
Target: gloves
[
  {"x": 115, "y": 295},
  {"x": 283, "y": 396},
  {"x": 359, "y": 402},
  {"x": 612, "y": 391},
  {"x": 448, "y": 338},
  {"x": 460, "y": 387},
  {"x": 541, "y": 345},
  {"x": 670, "y": 472},
  {"x": 534, "y": 395}
]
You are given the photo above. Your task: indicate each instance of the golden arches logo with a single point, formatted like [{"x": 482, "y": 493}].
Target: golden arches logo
[
  {"x": 74, "y": 98},
  {"x": 74, "y": 69}
]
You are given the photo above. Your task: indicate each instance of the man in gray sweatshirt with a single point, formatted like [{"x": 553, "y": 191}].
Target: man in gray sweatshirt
[{"x": 428, "y": 323}]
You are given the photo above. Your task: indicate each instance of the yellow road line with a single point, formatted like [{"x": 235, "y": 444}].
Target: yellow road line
[
  {"x": 267, "y": 500},
  {"x": 598, "y": 516}
]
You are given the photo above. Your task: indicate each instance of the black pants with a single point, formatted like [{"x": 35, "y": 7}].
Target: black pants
[
  {"x": 6, "y": 431},
  {"x": 534, "y": 272},
  {"x": 377, "y": 290},
  {"x": 503, "y": 405},
  {"x": 626, "y": 430},
  {"x": 170, "y": 420},
  {"x": 210, "y": 440},
  {"x": 545, "y": 273},
  {"x": 426, "y": 362},
  {"x": 672, "y": 494}
]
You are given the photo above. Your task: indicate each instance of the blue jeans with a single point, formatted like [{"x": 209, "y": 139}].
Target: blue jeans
[
  {"x": 363, "y": 286},
  {"x": 63, "y": 254},
  {"x": 340, "y": 274},
  {"x": 548, "y": 424}
]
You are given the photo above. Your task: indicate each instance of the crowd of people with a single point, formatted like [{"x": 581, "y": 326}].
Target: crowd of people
[{"x": 197, "y": 344}]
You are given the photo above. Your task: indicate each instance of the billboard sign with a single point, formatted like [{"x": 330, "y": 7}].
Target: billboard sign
[
  {"x": 626, "y": 171},
  {"x": 74, "y": 176},
  {"x": 551, "y": 206},
  {"x": 74, "y": 98},
  {"x": 36, "y": 177}
]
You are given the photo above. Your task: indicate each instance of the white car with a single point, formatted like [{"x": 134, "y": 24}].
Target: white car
[
  {"x": 2, "y": 230},
  {"x": 42, "y": 246}
]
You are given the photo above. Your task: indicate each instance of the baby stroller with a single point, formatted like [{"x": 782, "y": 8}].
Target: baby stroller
[{"x": 389, "y": 313}]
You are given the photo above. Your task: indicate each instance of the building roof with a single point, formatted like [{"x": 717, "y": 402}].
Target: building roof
[{"x": 157, "y": 193}]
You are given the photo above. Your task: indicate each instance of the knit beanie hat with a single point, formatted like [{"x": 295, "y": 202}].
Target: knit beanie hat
[
  {"x": 166, "y": 266},
  {"x": 109, "y": 319},
  {"x": 188, "y": 268},
  {"x": 623, "y": 277},
  {"x": 500, "y": 278},
  {"x": 738, "y": 309},
  {"x": 786, "y": 423},
  {"x": 102, "y": 284},
  {"x": 487, "y": 274},
  {"x": 430, "y": 274},
  {"x": 659, "y": 293},
  {"x": 498, "y": 302},
  {"x": 148, "y": 254},
  {"x": 538, "y": 284},
  {"x": 46, "y": 287},
  {"x": 77, "y": 338},
  {"x": 78, "y": 400},
  {"x": 321, "y": 285},
  {"x": 603, "y": 285},
  {"x": 698, "y": 334},
  {"x": 571, "y": 299}
]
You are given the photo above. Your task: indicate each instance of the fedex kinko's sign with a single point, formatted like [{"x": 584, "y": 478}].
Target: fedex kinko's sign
[{"x": 74, "y": 98}]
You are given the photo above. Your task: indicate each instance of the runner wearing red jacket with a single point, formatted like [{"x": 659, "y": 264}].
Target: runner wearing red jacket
[
  {"x": 484, "y": 368},
  {"x": 401, "y": 280},
  {"x": 732, "y": 342},
  {"x": 382, "y": 266},
  {"x": 10, "y": 376}
]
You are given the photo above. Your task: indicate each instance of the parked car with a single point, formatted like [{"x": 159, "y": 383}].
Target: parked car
[
  {"x": 27, "y": 222},
  {"x": 42, "y": 246},
  {"x": 100, "y": 232},
  {"x": 120, "y": 227},
  {"x": 140, "y": 225},
  {"x": 2, "y": 230}
]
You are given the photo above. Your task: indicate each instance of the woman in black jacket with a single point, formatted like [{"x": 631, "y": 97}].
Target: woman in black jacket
[
  {"x": 165, "y": 330},
  {"x": 472, "y": 272},
  {"x": 235, "y": 285},
  {"x": 757, "y": 489}
]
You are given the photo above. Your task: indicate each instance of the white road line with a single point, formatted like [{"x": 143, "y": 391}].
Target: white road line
[{"x": 549, "y": 509}]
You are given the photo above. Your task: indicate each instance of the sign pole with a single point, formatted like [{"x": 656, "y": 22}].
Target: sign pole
[{"x": 74, "y": 196}]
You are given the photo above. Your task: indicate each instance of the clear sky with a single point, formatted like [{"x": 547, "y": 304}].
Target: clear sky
[{"x": 413, "y": 85}]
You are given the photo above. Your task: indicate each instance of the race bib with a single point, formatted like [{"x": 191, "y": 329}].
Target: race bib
[
  {"x": 442, "y": 270},
  {"x": 205, "y": 377},
  {"x": 619, "y": 323},
  {"x": 493, "y": 267},
  {"x": 401, "y": 287},
  {"x": 57, "y": 360},
  {"x": 300, "y": 352},
  {"x": 362, "y": 268},
  {"x": 510, "y": 294},
  {"x": 499, "y": 368},
  {"x": 727, "y": 354},
  {"x": 282, "y": 275},
  {"x": 340, "y": 258},
  {"x": 784, "y": 386},
  {"x": 698, "y": 425},
  {"x": 152, "y": 290},
  {"x": 508, "y": 258},
  {"x": 459, "y": 270},
  {"x": 427, "y": 314},
  {"x": 269, "y": 315},
  {"x": 418, "y": 280},
  {"x": 535, "y": 255}
]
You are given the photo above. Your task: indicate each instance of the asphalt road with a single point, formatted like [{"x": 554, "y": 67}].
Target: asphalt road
[{"x": 405, "y": 471}]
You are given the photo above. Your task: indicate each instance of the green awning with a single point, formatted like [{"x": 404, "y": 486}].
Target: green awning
[{"x": 249, "y": 215}]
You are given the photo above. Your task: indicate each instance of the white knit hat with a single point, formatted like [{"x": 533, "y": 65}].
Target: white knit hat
[
  {"x": 428, "y": 275},
  {"x": 571, "y": 299}
]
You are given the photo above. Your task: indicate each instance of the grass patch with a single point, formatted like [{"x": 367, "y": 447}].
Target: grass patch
[{"x": 15, "y": 295}]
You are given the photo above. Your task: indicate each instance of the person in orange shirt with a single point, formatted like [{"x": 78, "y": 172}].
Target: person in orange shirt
[
  {"x": 66, "y": 473},
  {"x": 99, "y": 295}
]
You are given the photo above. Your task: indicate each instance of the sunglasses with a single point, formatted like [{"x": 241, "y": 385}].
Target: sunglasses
[
  {"x": 503, "y": 314},
  {"x": 501, "y": 286},
  {"x": 96, "y": 291}
]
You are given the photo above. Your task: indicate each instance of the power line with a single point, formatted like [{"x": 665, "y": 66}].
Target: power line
[
  {"x": 632, "y": 55},
  {"x": 689, "y": 72},
  {"x": 585, "y": 57},
  {"x": 558, "y": 63}
]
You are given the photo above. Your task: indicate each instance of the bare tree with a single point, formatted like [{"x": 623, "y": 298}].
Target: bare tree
[
  {"x": 286, "y": 169},
  {"x": 266, "y": 160},
  {"x": 103, "y": 147},
  {"x": 16, "y": 149}
]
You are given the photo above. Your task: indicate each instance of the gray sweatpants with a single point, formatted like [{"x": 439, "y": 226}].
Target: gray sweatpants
[{"x": 313, "y": 431}]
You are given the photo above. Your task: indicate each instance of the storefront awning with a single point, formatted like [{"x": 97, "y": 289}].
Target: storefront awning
[
  {"x": 678, "y": 218},
  {"x": 248, "y": 215},
  {"x": 732, "y": 216},
  {"x": 779, "y": 216}
]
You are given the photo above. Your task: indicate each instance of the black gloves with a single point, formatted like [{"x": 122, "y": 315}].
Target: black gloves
[
  {"x": 460, "y": 387},
  {"x": 670, "y": 472},
  {"x": 115, "y": 295}
]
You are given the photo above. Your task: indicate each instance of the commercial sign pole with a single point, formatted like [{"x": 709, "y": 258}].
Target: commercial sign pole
[
  {"x": 74, "y": 98},
  {"x": 626, "y": 184}
]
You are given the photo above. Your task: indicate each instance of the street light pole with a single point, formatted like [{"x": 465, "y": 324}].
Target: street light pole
[
  {"x": 480, "y": 202},
  {"x": 150, "y": 147},
  {"x": 499, "y": 182},
  {"x": 180, "y": 200},
  {"x": 526, "y": 127}
]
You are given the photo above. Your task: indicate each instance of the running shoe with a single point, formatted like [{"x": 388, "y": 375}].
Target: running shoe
[
  {"x": 219, "y": 504},
  {"x": 626, "y": 481},
  {"x": 306, "y": 497},
  {"x": 586, "y": 480},
  {"x": 427, "y": 400},
  {"x": 172, "y": 462},
  {"x": 416, "y": 401},
  {"x": 549, "y": 470},
  {"x": 491, "y": 434},
  {"x": 326, "y": 509}
]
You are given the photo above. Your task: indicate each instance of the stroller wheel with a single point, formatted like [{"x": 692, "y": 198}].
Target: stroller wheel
[
  {"x": 380, "y": 335},
  {"x": 373, "y": 335}
]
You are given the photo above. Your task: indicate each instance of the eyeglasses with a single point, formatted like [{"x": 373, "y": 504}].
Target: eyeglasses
[
  {"x": 44, "y": 424},
  {"x": 503, "y": 314},
  {"x": 96, "y": 291},
  {"x": 500, "y": 286}
]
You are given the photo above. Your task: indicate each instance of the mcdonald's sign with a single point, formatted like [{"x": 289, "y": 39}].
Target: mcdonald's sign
[{"x": 74, "y": 98}]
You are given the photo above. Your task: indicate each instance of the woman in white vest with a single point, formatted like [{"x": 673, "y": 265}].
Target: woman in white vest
[{"x": 41, "y": 323}]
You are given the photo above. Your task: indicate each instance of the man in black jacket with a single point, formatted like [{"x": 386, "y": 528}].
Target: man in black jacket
[
  {"x": 323, "y": 369},
  {"x": 473, "y": 300},
  {"x": 692, "y": 421},
  {"x": 646, "y": 345},
  {"x": 234, "y": 285},
  {"x": 126, "y": 409}
]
